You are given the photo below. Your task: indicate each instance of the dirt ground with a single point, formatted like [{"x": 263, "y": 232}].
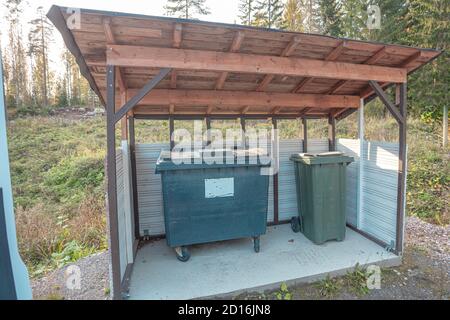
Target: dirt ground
[{"x": 424, "y": 274}]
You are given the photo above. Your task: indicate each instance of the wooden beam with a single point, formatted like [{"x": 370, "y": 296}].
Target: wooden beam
[
  {"x": 290, "y": 48},
  {"x": 158, "y": 97},
  {"x": 171, "y": 109},
  {"x": 139, "y": 95},
  {"x": 385, "y": 99},
  {"x": 137, "y": 56},
  {"x": 235, "y": 45}
]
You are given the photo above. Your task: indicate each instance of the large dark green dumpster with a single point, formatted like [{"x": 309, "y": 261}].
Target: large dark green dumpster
[
  {"x": 321, "y": 181},
  {"x": 212, "y": 202}
]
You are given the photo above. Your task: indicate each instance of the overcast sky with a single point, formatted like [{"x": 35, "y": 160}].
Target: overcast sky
[{"x": 221, "y": 11}]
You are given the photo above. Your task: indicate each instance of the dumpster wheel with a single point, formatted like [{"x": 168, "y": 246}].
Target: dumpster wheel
[
  {"x": 256, "y": 244},
  {"x": 182, "y": 253},
  {"x": 295, "y": 224}
]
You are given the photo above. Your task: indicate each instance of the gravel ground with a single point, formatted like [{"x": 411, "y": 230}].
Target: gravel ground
[
  {"x": 94, "y": 281},
  {"x": 424, "y": 274}
]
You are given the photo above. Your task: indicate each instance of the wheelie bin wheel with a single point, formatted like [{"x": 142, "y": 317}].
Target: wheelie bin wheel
[
  {"x": 295, "y": 224},
  {"x": 256, "y": 244},
  {"x": 182, "y": 253}
]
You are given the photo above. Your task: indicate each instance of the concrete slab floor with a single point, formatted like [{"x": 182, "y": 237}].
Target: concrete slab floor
[{"x": 220, "y": 268}]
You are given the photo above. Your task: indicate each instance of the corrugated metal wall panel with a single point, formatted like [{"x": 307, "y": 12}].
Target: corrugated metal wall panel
[
  {"x": 120, "y": 213},
  {"x": 351, "y": 147},
  {"x": 151, "y": 216},
  {"x": 287, "y": 194},
  {"x": 379, "y": 183},
  {"x": 379, "y": 188},
  {"x": 317, "y": 145}
]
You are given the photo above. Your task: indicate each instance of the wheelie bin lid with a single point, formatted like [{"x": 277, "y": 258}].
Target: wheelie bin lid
[
  {"x": 321, "y": 158},
  {"x": 203, "y": 160}
]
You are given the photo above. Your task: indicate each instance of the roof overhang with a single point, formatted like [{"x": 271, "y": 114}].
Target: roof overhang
[{"x": 222, "y": 69}]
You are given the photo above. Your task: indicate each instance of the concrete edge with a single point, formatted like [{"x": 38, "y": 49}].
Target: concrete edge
[{"x": 385, "y": 263}]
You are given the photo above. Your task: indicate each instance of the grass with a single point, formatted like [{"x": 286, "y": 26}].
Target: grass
[{"x": 57, "y": 168}]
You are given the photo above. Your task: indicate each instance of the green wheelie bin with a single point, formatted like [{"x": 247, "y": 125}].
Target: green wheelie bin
[{"x": 321, "y": 181}]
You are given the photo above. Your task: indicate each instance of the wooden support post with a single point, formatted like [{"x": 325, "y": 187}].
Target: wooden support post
[
  {"x": 124, "y": 120},
  {"x": 171, "y": 130},
  {"x": 132, "y": 135},
  {"x": 208, "y": 131},
  {"x": 445, "y": 127},
  {"x": 331, "y": 133},
  {"x": 275, "y": 152},
  {"x": 401, "y": 168},
  {"x": 112, "y": 183},
  {"x": 305, "y": 135},
  {"x": 359, "y": 200},
  {"x": 244, "y": 140}
]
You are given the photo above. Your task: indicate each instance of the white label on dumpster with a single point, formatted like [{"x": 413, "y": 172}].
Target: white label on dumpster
[{"x": 219, "y": 188}]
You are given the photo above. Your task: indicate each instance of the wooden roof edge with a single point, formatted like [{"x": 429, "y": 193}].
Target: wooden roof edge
[{"x": 113, "y": 14}]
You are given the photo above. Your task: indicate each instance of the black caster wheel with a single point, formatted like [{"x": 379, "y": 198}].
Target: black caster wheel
[
  {"x": 256, "y": 244},
  {"x": 182, "y": 253},
  {"x": 295, "y": 224}
]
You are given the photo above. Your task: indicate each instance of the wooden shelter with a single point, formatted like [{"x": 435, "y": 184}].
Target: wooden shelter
[{"x": 145, "y": 67}]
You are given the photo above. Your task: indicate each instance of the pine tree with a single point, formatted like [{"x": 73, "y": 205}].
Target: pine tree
[
  {"x": 292, "y": 16},
  {"x": 354, "y": 19},
  {"x": 269, "y": 14},
  {"x": 39, "y": 40},
  {"x": 17, "y": 84},
  {"x": 311, "y": 14},
  {"x": 186, "y": 8},
  {"x": 330, "y": 13},
  {"x": 247, "y": 11}
]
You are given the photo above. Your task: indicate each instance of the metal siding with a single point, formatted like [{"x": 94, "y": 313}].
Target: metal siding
[
  {"x": 121, "y": 213},
  {"x": 287, "y": 193},
  {"x": 351, "y": 148},
  {"x": 151, "y": 215},
  {"x": 379, "y": 183},
  {"x": 317, "y": 145}
]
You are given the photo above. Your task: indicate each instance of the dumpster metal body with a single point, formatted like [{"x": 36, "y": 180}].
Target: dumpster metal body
[
  {"x": 321, "y": 195},
  {"x": 213, "y": 202}
]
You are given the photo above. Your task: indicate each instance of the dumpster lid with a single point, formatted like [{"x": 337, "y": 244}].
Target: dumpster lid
[
  {"x": 321, "y": 158},
  {"x": 210, "y": 158}
]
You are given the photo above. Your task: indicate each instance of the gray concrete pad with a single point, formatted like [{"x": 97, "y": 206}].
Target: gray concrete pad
[{"x": 221, "y": 268}]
